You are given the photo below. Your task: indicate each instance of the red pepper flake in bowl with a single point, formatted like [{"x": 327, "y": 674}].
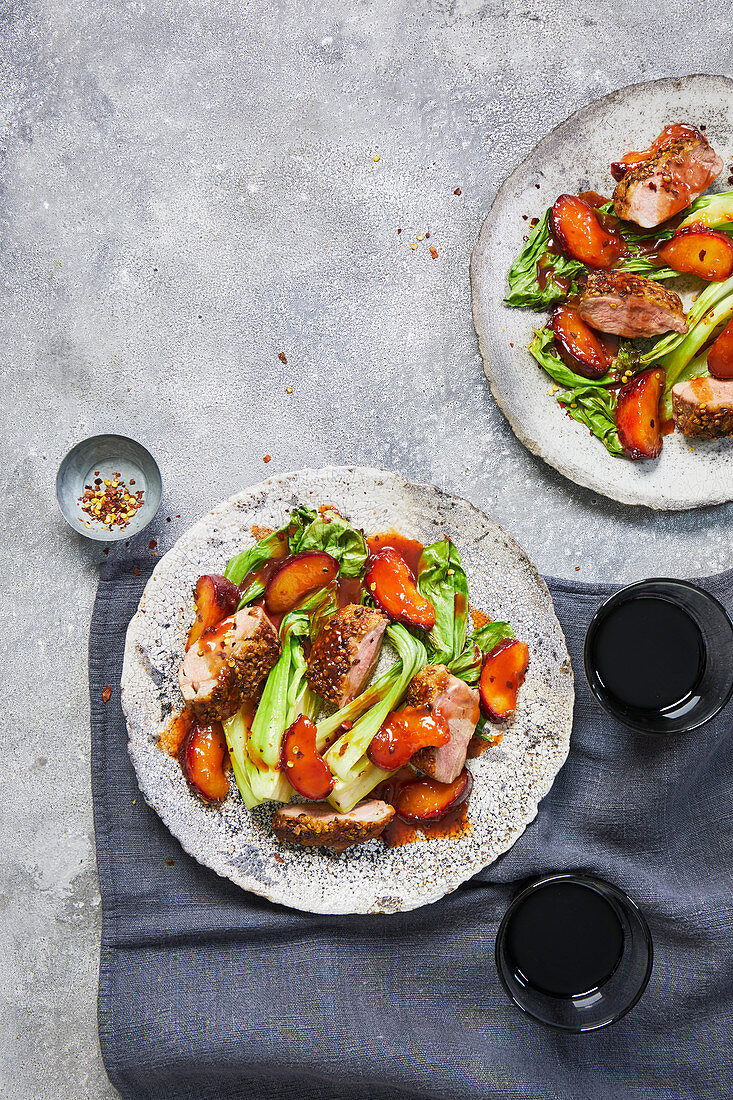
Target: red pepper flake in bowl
[{"x": 110, "y": 502}]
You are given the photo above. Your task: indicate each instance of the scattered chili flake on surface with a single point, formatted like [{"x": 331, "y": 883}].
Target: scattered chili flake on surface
[
  {"x": 153, "y": 543},
  {"x": 110, "y": 502},
  {"x": 106, "y": 693},
  {"x": 106, "y": 550},
  {"x": 511, "y": 345},
  {"x": 167, "y": 519},
  {"x": 266, "y": 458},
  {"x": 132, "y": 481},
  {"x": 170, "y": 862},
  {"x": 577, "y": 567},
  {"x": 282, "y": 357},
  {"x": 457, "y": 191},
  {"x": 136, "y": 572},
  {"x": 288, "y": 389},
  {"x": 433, "y": 252},
  {"x": 279, "y": 858},
  {"x": 399, "y": 230},
  {"x": 427, "y": 236},
  {"x": 534, "y": 221},
  {"x": 524, "y": 217},
  {"x": 537, "y": 186}
]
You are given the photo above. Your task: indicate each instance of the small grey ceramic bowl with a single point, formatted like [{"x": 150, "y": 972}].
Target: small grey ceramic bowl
[{"x": 102, "y": 456}]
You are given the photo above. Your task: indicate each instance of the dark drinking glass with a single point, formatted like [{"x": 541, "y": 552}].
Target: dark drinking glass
[
  {"x": 574, "y": 952},
  {"x": 659, "y": 656}
]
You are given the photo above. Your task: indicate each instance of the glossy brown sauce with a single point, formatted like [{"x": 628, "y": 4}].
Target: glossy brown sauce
[{"x": 410, "y": 549}]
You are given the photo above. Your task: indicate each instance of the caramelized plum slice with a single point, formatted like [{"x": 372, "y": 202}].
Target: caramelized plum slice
[
  {"x": 297, "y": 577},
  {"x": 578, "y": 230},
  {"x": 501, "y": 678},
  {"x": 581, "y": 348},
  {"x": 668, "y": 135},
  {"x": 720, "y": 355},
  {"x": 307, "y": 771},
  {"x": 703, "y": 252},
  {"x": 391, "y": 584},
  {"x": 428, "y": 800},
  {"x": 403, "y": 733},
  {"x": 201, "y": 757},
  {"x": 637, "y": 414},
  {"x": 216, "y": 597}
]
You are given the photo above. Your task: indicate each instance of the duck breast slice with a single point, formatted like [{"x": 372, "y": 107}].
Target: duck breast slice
[
  {"x": 345, "y": 653},
  {"x": 228, "y": 663},
  {"x": 436, "y": 687},
  {"x": 664, "y": 184},
  {"x": 704, "y": 407},
  {"x": 630, "y": 305},
  {"x": 316, "y": 824}
]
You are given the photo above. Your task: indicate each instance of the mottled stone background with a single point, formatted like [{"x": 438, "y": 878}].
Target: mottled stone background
[{"x": 186, "y": 190}]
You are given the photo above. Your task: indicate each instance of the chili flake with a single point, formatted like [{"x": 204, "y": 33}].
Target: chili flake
[
  {"x": 282, "y": 357},
  {"x": 457, "y": 191},
  {"x": 433, "y": 252},
  {"x": 110, "y": 502},
  {"x": 266, "y": 458},
  {"x": 106, "y": 693}
]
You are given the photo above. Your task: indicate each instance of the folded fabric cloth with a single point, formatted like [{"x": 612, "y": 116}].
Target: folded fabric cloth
[{"x": 208, "y": 992}]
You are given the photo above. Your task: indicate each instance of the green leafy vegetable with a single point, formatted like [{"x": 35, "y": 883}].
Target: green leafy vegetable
[
  {"x": 284, "y": 692},
  {"x": 524, "y": 284},
  {"x": 712, "y": 211},
  {"x": 441, "y": 579},
  {"x": 676, "y": 351},
  {"x": 542, "y": 350},
  {"x": 271, "y": 546},
  {"x": 344, "y": 755},
  {"x": 365, "y": 776},
  {"x": 468, "y": 665},
  {"x": 336, "y": 536},
  {"x": 586, "y": 400}
]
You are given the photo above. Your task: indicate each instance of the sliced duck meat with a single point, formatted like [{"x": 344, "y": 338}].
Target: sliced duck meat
[
  {"x": 345, "y": 653},
  {"x": 664, "y": 184},
  {"x": 704, "y": 407},
  {"x": 316, "y": 824},
  {"x": 630, "y": 305},
  {"x": 452, "y": 699},
  {"x": 228, "y": 663}
]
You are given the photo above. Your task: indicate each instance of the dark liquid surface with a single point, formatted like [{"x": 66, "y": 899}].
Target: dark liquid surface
[
  {"x": 564, "y": 939},
  {"x": 648, "y": 654}
]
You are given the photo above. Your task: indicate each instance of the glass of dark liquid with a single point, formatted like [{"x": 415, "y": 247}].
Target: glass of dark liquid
[
  {"x": 574, "y": 952},
  {"x": 659, "y": 656}
]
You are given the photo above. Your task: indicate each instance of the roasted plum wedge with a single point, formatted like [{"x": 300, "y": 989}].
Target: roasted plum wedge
[
  {"x": 638, "y": 419},
  {"x": 405, "y": 732},
  {"x": 306, "y": 770},
  {"x": 297, "y": 577},
  {"x": 201, "y": 756},
  {"x": 706, "y": 253},
  {"x": 577, "y": 228},
  {"x": 391, "y": 584},
  {"x": 502, "y": 676},
  {"x": 215, "y": 599},
  {"x": 720, "y": 355},
  {"x": 428, "y": 800},
  {"x": 587, "y": 352}
]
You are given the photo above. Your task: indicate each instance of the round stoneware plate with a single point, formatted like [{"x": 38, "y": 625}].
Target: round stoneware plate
[
  {"x": 576, "y": 157},
  {"x": 510, "y": 780}
]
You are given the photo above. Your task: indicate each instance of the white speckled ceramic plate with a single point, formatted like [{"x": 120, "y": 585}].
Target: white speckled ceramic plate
[
  {"x": 510, "y": 780},
  {"x": 576, "y": 157}
]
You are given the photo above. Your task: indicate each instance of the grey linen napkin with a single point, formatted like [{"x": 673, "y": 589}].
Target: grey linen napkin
[{"x": 208, "y": 992}]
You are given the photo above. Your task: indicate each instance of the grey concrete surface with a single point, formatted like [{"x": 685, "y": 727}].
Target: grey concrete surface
[{"x": 188, "y": 189}]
